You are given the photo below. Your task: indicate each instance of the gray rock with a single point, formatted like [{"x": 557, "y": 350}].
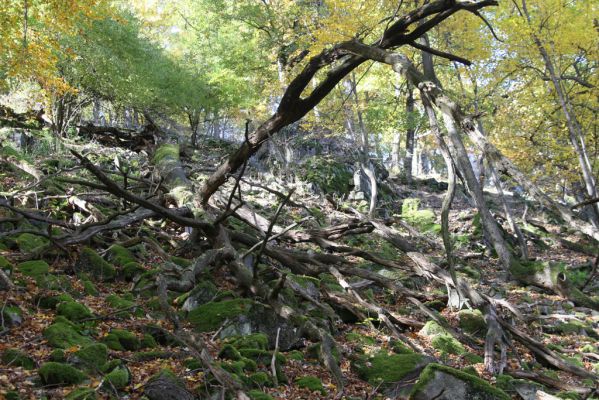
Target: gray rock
[
  {"x": 166, "y": 387},
  {"x": 444, "y": 383}
]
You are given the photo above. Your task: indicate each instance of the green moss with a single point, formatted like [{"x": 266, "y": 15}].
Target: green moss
[
  {"x": 312, "y": 383},
  {"x": 58, "y": 355},
  {"x": 89, "y": 288},
  {"x": 119, "y": 255},
  {"x": 431, "y": 328},
  {"x": 131, "y": 270},
  {"x": 127, "y": 306},
  {"x": 33, "y": 268},
  {"x": 166, "y": 151},
  {"x": 5, "y": 265},
  {"x": 180, "y": 261},
  {"x": 329, "y": 174},
  {"x": 424, "y": 220},
  {"x": 50, "y": 302},
  {"x": 93, "y": 355},
  {"x": 384, "y": 369},
  {"x": 117, "y": 378},
  {"x": 399, "y": 347},
  {"x": 73, "y": 311},
  {"x": 120, "y": 339},
  {"x": 229, "y": 352},
  {"x": 569, "y": 395},
  {"x": 192, "y": 364},
  {"x": 12, "y": 395},
  {"x": 478, "y": 385},
  {"x": 258, "y": 395},
  {"x": 473, "y": 358},
  {"x": 262, "y": 356},
  {"x": 30, "y": 243},
  {"x": 354, "y": 337},
  {"x": 53, "y": 373},
  {"x": 295, "y": 355},
  {"x": 16, "y": 358},
  {"x": 212, "y": 315},
  {"x": 82, "y": 394},
  {"x": 148, "y": 342},
  {"x": 253, "y": 341},
  {"x": 259, "y": 379},
  {"x": 472, "y": 321},
  {"x": 63, "y": 334},
  {"x": 91, "y": 262},
  {"x": 447, "y": 344}
]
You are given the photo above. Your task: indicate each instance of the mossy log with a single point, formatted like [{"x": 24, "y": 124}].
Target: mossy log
[{"x": 551, "y": 276}]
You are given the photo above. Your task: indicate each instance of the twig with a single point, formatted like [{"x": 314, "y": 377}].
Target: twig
[{"x": 273, "y": 361}]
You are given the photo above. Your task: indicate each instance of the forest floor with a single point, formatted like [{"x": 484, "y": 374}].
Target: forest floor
[{"x": 126, "y": 316}]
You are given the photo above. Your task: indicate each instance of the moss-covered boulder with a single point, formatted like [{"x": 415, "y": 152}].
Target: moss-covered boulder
[
  {"x": 166, "y": 386},
  {"x": 29, "y": 243},
  {"x": 82, "y": 393},
  {"x": 33, "y": 268},
  {"x": 252, "y": 341},
  {"x": 64, "y": 334},
  {"x": 204, "y": 292},
  {"x": 447, "y": 344},
  {"x": 93, "y": 355},
  {"x": 53, "y": 373},
  {"x": 5, "y": 265},
  {"x": 90, "y": 262},
  {"x": 212, "y": 315},
  {"x": 384, "y": 370},
  {"x": 58, "y": 355},
  {"x": 73, "y": 311},
  {"x": 120, "y": 339},
  {"x": 119, "y": 255},
  {"x": 446, "y": 383},
  {"x": 472, "y": 321},
  {"x": 16, "y": 358},
  {"x": 127, "y": 307},
  {"x": 131, "y": 270},
  {"x": 50, "y": 302},
  {"x": 259, "y": 395},
  {"x": 311, "y": 383},
  {"x": 118, "y": 378},
  {"x": 424, "y": 220},
  {"x": 11, "y": 316},
  {"x": 431, "y": 328}
]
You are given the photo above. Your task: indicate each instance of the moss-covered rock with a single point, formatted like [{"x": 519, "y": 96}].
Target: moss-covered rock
[
  {"x": 431, "y": 328},
  {"x": 89, "y": 288},
  {"x": 258, "y": 395},
  {"x": 11, "y": 316},
  {"x": 311, "y": 383},
  {"x": 472, "y": 321},
  {"x": 424, "y": 220},
  {"x": 119, "y": 255},
  {"x": 210, "y": 316},
  {"x": 259, "y": 379},
  {"x": 5, "y": 265},
  {"x": 50, "y": 302},
  {"x": 82, "y": 393},
  {"x": 16, "y": 358},
  {"x": 93, "y": 355},
  {"x": 131, "y": 270},
  {"x": 58, "y": 355},
  {"x": 447, "y": 344},
  {"x": 295, "y": 355},
  {"x": 253, "y": 341},
  {"x": 90, "y": 262},
  {"x": 446, "y": 383},
  {"x": 127, "y": 307},
  {"x": 180, "y": 261},
  {"x": 120, "y": 339},
  {"x": 30, "y": 243},
  {"x": 33, "y": 268},
  {"x": 263, "y": 357},
  {"x": 385, "y": 369},
  {"x": 63, "y": 334},
  {"x": 73, "y": 311},
  {"x": 358, "y": 338},
  {"x": 118, "y": 378},
  {"x": 53, "y": 373}
]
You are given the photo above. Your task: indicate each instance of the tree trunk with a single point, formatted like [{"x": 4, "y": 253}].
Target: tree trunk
[
  {"x": 575, "y": 133},
  {"x": 410, "y": 140}
]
